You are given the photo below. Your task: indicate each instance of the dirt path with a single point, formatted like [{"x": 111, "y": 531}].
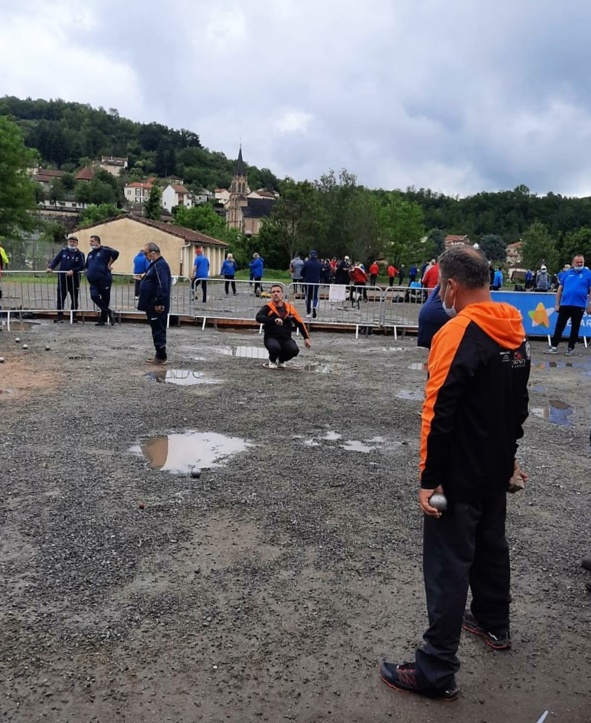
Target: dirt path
[{"x": 270, "y": 587}]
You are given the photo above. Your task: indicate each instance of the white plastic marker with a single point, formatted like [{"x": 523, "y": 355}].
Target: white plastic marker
[{"x": 543, "y": 717}]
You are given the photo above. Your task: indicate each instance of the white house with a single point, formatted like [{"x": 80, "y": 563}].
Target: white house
[
  {"x": 137, "y": 192},
  {"x": 175, "y": 194}
]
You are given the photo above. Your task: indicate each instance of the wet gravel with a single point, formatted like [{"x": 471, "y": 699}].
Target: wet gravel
[{"x": 270, "y": 587}]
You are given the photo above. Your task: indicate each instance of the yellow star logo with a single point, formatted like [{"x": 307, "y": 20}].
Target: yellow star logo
[{"x": 539, "y": 316}]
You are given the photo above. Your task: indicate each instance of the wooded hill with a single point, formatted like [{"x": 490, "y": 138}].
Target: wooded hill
[{"x": 68, "y": 136}]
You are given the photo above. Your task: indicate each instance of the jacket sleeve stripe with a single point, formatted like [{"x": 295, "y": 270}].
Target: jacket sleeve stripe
[{"x": 442, "y": 392}]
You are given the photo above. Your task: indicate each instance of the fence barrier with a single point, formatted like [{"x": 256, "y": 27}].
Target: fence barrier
[{"x": 366, "y": 308}]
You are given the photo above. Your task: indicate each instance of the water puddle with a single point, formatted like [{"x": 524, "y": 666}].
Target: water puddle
[
  {"x": 582, "y": 364},
  {"x": 180, "y": 377},
  {"x": 418, "y": 366},
  {"x": 555, "y": 412},
  {"x": 315, "y": 368},
  {"x": 24, "y": 325},
  {"x": 180, "y": 453},
  {"x": 354, "y": 445},
  {"x": 413, "y": 395},
  {"x": 332, "y": 436},
  {"x": 245, "y": 352}
]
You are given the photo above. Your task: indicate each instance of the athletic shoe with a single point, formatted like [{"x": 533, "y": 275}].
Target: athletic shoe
[
  {"x": 272, "y": 365},
  {"x": 501, "y": 640},
  {"x": 156, "y": 361},
  {"x": 552, "y": 350},
  {"x": 405, "y": 678},
  {"x": 308, "y": 316},
  {"x": 58, "y": 320},
  {"x": 569, "y": 352},
  {"x": 586, "y": 563},
  {"x": 314, "y": 314},
  {"x": 282, "y": 365},
  {"x": 101, "y": 323}
]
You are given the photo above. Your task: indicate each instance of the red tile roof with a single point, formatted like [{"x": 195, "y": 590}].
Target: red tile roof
[
  {"x": 179, "y": 189},
  {"x": 86, "y": 174}
]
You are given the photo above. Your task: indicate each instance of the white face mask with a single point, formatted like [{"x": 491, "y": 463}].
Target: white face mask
[
  {"x": 578, "y": 269},
  {"x": 449, "y": 310}
]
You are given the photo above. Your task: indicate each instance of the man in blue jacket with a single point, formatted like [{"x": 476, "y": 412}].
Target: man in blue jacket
[
  {"x": 155, "y": 299},
  {"x": 98, "y": 272},
  {"x": 256, "y": 269},
  {"x": 71, "y": 262},
  {"x": 140, "y": 266},
  {"x": 311, "y": 273},
  {"x": 573, "y": 299},
  {"x": 200, "y": 272}
]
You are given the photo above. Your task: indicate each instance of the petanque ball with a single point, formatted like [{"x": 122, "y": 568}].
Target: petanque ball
[
  {"x": 438, "y": 501},
  {"x": 195, "y": 473},
  {"x": 25, "y": 346}
]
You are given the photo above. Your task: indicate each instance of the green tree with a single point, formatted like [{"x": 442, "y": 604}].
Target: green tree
[
  {"x": 17, "y": 190},
  {"x": 153, "y": 207},
  {"x": 576, "y": 242},
  {"x": 493, "y": 247},
  {"x": 94, "y": 214},
  {"x": 295, "y": 222},
  {"x": 57, "y": 192},
  {"x": 403, "y": 230},
  {"x": 539, "y": 248},
  {"x": 201, "y": 218}
]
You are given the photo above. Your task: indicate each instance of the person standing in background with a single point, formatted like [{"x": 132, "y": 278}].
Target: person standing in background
[
  {"x": 140, "y": 266},
  {"x": 71, "y": 262},
  {"x": 228, "y": 271},
  {"x": 200, "y": 272},
  {"x": 98, "y": 272}
]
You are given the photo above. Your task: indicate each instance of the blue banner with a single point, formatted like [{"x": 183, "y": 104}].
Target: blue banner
[{"x": 538, "y": 312}]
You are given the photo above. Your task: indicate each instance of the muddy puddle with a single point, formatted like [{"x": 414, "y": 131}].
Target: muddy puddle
[
  {"x": 180, "y": 377},
  {"x": 181, "y": 453},
  {"x": 555, "y": 412},
  {"x": 245, "y": 352},
  {"x": 350, "y": 445}
]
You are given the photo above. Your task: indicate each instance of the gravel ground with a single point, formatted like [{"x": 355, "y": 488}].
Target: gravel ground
[{"x": 270, "y": 587}]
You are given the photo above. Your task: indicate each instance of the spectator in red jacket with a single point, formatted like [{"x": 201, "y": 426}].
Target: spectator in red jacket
[
  {"x": 392, "y": 274},
  {"x": 374, "y": 270},
  {"x": 431, "y": 276},
  {"x": 358, "y": 278}
]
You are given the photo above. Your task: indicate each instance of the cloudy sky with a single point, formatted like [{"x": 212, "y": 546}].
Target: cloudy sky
[{"x": 454, "y": 95}]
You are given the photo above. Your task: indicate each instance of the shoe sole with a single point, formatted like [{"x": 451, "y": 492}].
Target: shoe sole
[
  {"x": 416, "y": 692},
  {"x": 481, "y": 634}
]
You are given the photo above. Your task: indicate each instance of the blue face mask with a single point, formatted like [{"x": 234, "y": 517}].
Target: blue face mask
[
  {"x": 72, "y": 248},
  {"x": 578, "y": 269},
  {"x": 449, "y": 310}
]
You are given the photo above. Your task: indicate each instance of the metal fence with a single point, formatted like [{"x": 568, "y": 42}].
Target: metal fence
[{"x": 361, "y": 307}]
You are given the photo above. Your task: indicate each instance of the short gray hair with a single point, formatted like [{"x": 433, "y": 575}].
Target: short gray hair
[
  {"x": 151, "y": 246},
  {"x": 466, "y": 265}
]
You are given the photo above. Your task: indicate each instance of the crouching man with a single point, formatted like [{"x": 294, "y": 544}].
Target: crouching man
[{"x": 279, "y": 319}]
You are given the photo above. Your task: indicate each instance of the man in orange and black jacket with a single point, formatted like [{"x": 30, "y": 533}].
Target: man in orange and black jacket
[
  {"x": 476, "y": 402},
  {"x": 279, "y": 319}
]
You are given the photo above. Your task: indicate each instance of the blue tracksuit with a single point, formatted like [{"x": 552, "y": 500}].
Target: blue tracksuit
[
  {"x": 99, "y": 278},
  {"x": 68, "y": 260},
  {"x": 155, "y": 291},
  {"x": 140, "y": 263}
]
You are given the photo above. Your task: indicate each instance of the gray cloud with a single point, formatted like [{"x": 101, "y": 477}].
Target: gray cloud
[{"x": 457, "y": 96}]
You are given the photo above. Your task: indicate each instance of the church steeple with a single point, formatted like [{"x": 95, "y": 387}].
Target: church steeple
[
  {"x": 240, "y": 167},
  {"x": 239, "y": 191}
]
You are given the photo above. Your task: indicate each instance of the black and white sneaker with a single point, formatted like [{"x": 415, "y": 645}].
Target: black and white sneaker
[
  {"x": 405, "y": 678},
  {"x": 498, "y": 640}
]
